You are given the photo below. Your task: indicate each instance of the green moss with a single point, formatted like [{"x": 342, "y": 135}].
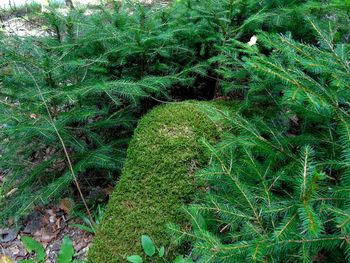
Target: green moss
[{"x": 157, "y": 180}]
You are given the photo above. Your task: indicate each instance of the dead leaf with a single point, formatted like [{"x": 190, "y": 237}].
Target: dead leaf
[
  {"x": 67, "y": 205},
  {"x": 45, "y": 235},
  {"x": 58, "y": 223},
  {"x": 7, "y": 235},
  {"x": 10, "y": 221},
  {"x": 108, "y": 190},
  {"x": 34, "y": 222}
]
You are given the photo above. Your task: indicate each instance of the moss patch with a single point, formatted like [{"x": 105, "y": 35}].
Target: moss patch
[{"x": 156, "y": 181}]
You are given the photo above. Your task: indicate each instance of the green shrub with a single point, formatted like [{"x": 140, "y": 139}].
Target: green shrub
[
  {"x": 84, "y": 84},
  {"x": 157, "y": 180},
  {"x": 77, "y": 93},
  {"x": 279, "y": 184}
]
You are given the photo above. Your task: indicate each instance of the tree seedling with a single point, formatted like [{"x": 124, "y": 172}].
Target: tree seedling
[
  {"x": 65, "y": 254},
  {"x": 153, "y": 252}
]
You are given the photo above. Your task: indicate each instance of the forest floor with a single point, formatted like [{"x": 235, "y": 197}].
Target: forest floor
[
  {"x": 48, "y": 226},
  {"x": 16, "y": 23}
]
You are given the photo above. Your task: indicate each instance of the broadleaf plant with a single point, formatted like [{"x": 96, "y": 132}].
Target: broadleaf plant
[
  {"x": 148, "y": 246},
  {"x": 150, "y": 249},
  {"x": 65, "y": 254},
  {"x": 34, "y": 246}
]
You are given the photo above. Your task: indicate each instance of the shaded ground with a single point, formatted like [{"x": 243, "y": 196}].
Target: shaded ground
[{"x": 48, "y": 226}]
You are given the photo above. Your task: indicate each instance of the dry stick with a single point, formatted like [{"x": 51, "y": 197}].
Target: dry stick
[{"x": 63, "y": 146}]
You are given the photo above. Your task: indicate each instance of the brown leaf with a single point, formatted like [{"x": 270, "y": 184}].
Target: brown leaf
[
  {"x": 67, "y": 205},
  {"x": 10, "y": 221},
  {"x": 45, "y": 235},
  {"x": 108, "y": 190}
]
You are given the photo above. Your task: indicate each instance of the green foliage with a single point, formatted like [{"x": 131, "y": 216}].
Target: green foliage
[
  {"x": 65, "y": 254},
  {"x": 279, "y": 186},
  {"x": 135, "y": 259},
  {"x": 150, "y": 249},
  {"x": 161, "y": 252},
  {"x": 156, "y": 182},
  {"x": 283, "y": 17},
  {"x": 70, "y": 99},
  {"x": 181, "y": 259},
  {"x": 78, "y": 92},
  {"x": 89, "y": 225},
  {"x": 34, "y": 246},
  {"x": 148, "y": 246}
]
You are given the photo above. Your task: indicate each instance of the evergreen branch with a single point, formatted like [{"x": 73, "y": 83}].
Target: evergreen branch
[
  {"x": 51, "y": 121},
  {"x": 286, "y": 226}
]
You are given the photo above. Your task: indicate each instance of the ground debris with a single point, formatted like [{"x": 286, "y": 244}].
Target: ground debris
[
  {"x": 7, "y": 235},
  {"x": 48, "y": 226}
]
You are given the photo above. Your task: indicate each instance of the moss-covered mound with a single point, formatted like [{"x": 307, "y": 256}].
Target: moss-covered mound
[{"x": 156, "y": 181}]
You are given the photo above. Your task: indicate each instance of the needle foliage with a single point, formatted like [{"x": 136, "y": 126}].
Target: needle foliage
[
  {"x": 278, "y": 191},
  {"x": 78, "y": 88},
  {"x": 279, "y": 182}
]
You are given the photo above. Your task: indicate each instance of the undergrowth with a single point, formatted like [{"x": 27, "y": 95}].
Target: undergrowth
[
  {"x": 70, "y": 99},
  {"x": 71, "y": 96},
  {"x": 279, "y": 186}
]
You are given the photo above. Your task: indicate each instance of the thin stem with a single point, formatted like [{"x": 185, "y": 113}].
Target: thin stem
[{"x": 51, "y": 121}]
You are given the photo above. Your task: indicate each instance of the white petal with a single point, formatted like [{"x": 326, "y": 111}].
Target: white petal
[{"x": 253, "y": 40}]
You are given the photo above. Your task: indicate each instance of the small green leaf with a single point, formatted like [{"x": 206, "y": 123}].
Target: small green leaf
[
  {"x": 135, "y": 259},
  {"x": 161, "y": 251},
  {"x": 181, "y": 259},
  {"x": 34, "y": 246},
  {"x": 66, "y": 252},
  {"x": 148, "y": 246}
]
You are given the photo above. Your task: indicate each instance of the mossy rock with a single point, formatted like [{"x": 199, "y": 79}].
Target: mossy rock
[{"x": 157, "y": 180}]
